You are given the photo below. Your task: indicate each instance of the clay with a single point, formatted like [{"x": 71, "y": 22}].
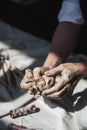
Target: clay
[{"x": 36, "y": 86}]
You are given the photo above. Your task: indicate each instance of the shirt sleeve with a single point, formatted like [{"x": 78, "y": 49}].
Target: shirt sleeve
[{"x": 71, "y": 12}]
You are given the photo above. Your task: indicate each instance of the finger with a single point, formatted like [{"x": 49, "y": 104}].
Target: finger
[
  {"x": 68, "y": 89},
  {"x": 29, "y": 73},
  {"x": 60, "y": 93},
  {"x": 43, "y": 69},
  {"x": 26, "y": 79},
  {"x": 54, "y": 71},
  {"x": 58, "y": 86},
  {"x": 23, "y": 84},
  {"x": 26, "y": 82},
  {"x": 30, "y": 85},
  {"x": 37, "y": 73}
]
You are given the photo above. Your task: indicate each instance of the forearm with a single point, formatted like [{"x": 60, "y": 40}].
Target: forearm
[{"x": 63, "y": 43}]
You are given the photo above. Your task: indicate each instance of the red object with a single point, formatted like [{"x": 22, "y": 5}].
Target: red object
[
  {"x": 13, "y": 126},
  {"x": 23, "y": 111}
]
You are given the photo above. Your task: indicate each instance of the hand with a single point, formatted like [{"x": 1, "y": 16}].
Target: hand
[
  {"x": 33, "y": 80},
  {"x": 69, "y": 73}
]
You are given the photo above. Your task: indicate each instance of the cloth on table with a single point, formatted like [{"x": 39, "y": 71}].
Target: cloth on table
[{"x": 27, "y": 51}]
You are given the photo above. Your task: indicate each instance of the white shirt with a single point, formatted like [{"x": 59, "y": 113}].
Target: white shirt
[{"x": 71, "y": 12}]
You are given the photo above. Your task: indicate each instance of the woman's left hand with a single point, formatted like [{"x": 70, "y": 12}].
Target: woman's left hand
[{"x": 69, "y": 74}]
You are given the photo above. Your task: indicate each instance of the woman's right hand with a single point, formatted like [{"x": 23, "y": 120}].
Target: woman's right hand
[{"x": 33, "y": 79}]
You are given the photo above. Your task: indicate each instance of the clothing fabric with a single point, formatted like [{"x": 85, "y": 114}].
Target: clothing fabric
[{"x": 71, "y": 12}]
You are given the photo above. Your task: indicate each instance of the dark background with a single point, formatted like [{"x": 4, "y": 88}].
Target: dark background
[{"x": 39, "y": 19}]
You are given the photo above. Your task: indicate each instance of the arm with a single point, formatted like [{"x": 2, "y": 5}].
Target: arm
[
  {"x": 63, "y": 43},
  {"x": 66, "y": 34}
]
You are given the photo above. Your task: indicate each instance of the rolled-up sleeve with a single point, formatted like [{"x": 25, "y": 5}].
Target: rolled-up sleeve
[{"x": 71, "y": 12}]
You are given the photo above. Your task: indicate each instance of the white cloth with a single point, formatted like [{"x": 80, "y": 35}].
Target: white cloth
[{"x": 71, "y": 12}]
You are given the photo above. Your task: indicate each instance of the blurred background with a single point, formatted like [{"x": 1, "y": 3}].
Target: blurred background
[{"x": 38, "y": 17}]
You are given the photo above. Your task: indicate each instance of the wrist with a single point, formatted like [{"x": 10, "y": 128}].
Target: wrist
[{"x": 52, "y": 60}]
